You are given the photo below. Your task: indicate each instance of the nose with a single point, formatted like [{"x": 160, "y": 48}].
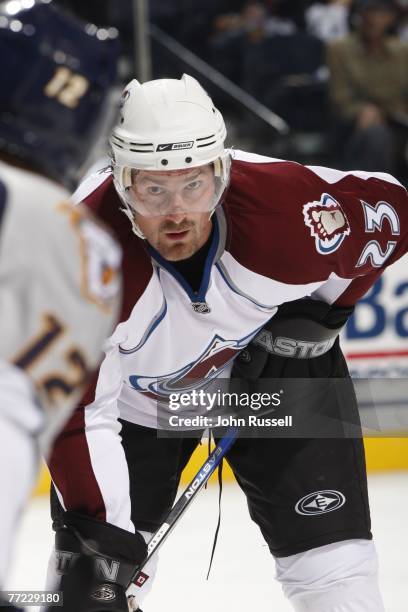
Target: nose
[
  {"x": 177, "y": 209},
  {"x": 177, "y": 217}
]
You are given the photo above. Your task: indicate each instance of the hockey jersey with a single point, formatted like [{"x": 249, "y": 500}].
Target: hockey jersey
[
  {"x": 60, "y": 287},
  {"x": 283, "y": 231}
]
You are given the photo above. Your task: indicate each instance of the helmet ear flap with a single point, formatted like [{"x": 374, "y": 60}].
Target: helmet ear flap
[
  {"x": 127, "y": 177},
  {"x": 122, "y": 176},
  {"x": 217, "y": 167},
  {"x": 222, "y": 166}
]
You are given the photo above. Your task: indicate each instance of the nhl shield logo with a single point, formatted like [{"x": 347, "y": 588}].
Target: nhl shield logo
[
  {"x": 201, "y": 307},
  {"x": 320, "y": 502},
  {"x": 327, "y": 222}
]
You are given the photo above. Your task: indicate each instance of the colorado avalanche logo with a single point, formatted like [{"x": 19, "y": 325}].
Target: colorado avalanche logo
[
  {"x": 196, "y": 375},
  {"x": 327, "y": 222}
]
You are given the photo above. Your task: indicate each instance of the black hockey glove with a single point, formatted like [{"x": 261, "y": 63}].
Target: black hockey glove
[
  {"x": 96, "y": 561},
  {"x": 297, "y": 342},
  {"x": 297, "y": 357}
]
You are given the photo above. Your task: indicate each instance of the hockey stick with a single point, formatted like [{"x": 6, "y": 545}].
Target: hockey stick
[{"x": 185, "y": 499}]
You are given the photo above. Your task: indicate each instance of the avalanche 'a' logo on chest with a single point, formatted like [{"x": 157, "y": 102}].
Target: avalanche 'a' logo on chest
[{"x": 196, "y": 374}]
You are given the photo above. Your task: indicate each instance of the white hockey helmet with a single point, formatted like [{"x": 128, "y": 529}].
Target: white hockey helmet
[{"x": 164, "y": 125}]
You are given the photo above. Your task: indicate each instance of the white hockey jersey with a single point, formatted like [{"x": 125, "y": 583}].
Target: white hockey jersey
[
  {"x": 60, "y": 289},
  {"x": 283, "y": 231}
]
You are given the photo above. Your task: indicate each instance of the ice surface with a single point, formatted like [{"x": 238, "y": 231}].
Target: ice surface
[{"x": 242, "y": 576}]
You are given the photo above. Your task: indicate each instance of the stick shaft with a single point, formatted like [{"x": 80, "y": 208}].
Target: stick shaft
[{"x": 188, "y": 495}]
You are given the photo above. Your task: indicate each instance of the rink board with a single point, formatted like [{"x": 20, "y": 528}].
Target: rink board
[
  {"x": 381, "y": 454},
  {"x": 375, "y": 340}
]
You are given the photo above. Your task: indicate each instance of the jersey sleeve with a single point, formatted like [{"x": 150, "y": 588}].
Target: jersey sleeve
[{"x": 299, "y": 224}]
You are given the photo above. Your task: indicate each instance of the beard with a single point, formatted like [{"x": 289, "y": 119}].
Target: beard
[
  {"x": 176, "y": 250},
  {"x": 172, "y": 248}
]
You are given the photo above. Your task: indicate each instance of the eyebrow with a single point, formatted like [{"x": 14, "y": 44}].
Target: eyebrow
[{"x": 159, "y": 179}]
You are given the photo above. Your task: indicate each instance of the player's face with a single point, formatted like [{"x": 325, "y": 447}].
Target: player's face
[{"x": 179, "y": 204}]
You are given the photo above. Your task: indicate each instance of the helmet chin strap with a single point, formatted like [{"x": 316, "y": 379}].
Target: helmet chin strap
[
  {"x": 136, "y": 230},
  {"x": 130, "y": 215}
]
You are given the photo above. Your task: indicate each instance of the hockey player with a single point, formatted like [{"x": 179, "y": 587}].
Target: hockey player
[
  {"x": 220, "y": 240},
  {"x": 60, "y": 278}
]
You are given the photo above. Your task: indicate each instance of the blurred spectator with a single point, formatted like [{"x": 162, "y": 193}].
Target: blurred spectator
[
  {"x": 237, "y": 34},
  {"x": 285, "y": 73},
  {"x": 403, "y": 21},
  {"x": 278, "y": 20},
  {"x": 328, "y": 20},
  {"x": 227, "y": 44},
  {"x": 254, "y": 21},
  {"x": 369, "y": 88},
  {"x": 293, "y": 10}
]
